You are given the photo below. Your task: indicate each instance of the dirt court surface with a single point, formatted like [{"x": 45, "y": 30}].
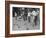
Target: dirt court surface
[{"x": 20, "y": 24}]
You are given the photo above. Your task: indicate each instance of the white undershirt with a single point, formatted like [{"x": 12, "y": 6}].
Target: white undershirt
[
  {"x": 15, "y": 14},
  {"x": 29, "y": 13}
]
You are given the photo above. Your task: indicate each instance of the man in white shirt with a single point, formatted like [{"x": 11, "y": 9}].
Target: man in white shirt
[
  {"x": 34, "y": 18},
  {"x": 29, "y": 13},
  {"x": 15, "y": 15}
]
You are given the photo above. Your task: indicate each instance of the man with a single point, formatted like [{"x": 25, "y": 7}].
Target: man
[
  {"x": 34, "y": 18},
  {"x": 29, "y": 13},
  {"x": 25, "y": 14},
  {"x": 15, "y": 15}
]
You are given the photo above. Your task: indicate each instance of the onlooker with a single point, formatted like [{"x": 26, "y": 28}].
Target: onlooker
[
  {"x": 29, "y": 13},
  {"x": 34, "y": 19},
  {"x": 15, "y": 15}
]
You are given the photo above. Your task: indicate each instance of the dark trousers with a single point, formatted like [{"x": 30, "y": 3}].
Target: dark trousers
[
  {"x": 35, "y": 20},
  {"x": 24, "y": 17},
  {"x": 28, "y": 18}
]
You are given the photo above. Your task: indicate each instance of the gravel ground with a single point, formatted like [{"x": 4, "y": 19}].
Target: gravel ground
[{"x": 20, "y": 24}]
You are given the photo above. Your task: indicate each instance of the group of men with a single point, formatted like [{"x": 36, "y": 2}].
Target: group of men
[{"x": 31, "y": 16}]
